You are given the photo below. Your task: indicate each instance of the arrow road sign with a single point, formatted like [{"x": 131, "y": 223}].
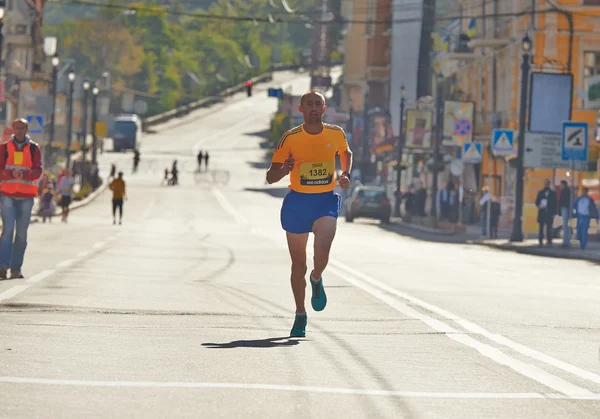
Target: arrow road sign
[
  {"x": 503, "y": 141},
  {"x": 543, "y": 151},
  {"x": 575, "y": 141}
]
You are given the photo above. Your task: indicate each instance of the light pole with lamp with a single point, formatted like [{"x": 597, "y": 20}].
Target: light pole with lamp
[
  {"x": 365, "y": 135},
  {"x": 517, "y": 232},
  {"x": 86, "y": 89},
  {"x": 439, "y": 134},
  {"x": 71, "y": 78},
  {"x": 55, "y": 63},
  {"x": 400, "y": 150},
  {"x": 95, "y": 92}
]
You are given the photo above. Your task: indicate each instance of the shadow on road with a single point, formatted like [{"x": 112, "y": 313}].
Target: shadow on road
[
  {"x": 274, "y": 192},
  {"x": 264, "y": 165},
  {"x": 258, "y": 343}
]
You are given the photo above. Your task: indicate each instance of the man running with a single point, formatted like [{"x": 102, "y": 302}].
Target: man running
[
  {"x": 117, "y": 186},
  {"x": 307, "y": 153}
]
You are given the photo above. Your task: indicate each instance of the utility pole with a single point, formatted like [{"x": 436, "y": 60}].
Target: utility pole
[
  {"x": 400, "y": 150},
  {"x": 439, "y": 133}
]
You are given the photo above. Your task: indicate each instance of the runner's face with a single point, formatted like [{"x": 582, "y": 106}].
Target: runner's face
[
  {"x": 312, "y": 107},
  {"x": 20, "y": 130}
]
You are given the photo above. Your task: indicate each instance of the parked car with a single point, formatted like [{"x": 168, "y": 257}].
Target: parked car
[{"x": 368, "y": 202}]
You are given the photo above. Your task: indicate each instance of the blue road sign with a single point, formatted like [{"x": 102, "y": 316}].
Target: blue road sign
[
  {"x": 472, "y": 152},
  {"x": 272, "y": 92},
  {"x": 36, "y": 124},
  {"x": 575, "y": 141},
  {"x": 503, "y": 142}
]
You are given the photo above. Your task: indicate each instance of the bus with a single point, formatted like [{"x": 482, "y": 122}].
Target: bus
[{"x": 127, "y": 132}]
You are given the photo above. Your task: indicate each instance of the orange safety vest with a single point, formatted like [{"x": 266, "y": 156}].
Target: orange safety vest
[{"x": 19, "y": 160}]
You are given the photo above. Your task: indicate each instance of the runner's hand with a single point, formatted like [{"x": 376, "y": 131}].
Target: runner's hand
[
  {"x": 289, "y": 164},
  {"x": 344, "y": 181},
  {"x": 17, "y": 174}
]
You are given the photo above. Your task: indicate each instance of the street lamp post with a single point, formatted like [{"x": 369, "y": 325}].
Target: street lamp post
[
  {"x": 55, "y": 63},
  {"x": 517, "y": 232},
  {"x": 365, "y": 135},
  {"x": 71, "y": 77},
  {"x": 400, "y": 149},
  {"x": 1, "y": 34},
  {"x": 95, "y": 92},
  {"x": 86, "y": 89},
  {"x": 439, "y": 133}
]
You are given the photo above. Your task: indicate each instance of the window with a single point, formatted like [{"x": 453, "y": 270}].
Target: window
[
  {"x": 371, "y": 17},
  {"x": 591, "y": 62},
  {"x": 591, "y": 2}
]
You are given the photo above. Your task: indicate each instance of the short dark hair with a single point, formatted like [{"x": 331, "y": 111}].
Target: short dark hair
[
  {"x": 120, "y": 174},
  {"x": 312, "y": 92}
]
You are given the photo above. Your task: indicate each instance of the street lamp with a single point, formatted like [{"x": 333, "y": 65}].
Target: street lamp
[
  {"x": 95, "y": 92},
  {"x": 55, "y": 63},
  {"x": 86, "y": 89},
  {"x": 439, "y": 133},
  {"x": 1, "y": 34},
  {"x": 365, "y": 135},
  {"x": 400, "y": 150},
  {"x": 517, "y": 232},
  {"x": 71, "y": 77}
]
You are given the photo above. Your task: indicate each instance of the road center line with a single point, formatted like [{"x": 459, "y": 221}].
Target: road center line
[
  {"x": 290, "y": 388},
  {"x": 11, "y": 292},
  {"x": 375, "y": 288},
  {"x": 83, "y": 254},
  {"x": 98, "y": 245},
  {"x": 66, "y": 263},
  {"x": 40, "y": 275}
]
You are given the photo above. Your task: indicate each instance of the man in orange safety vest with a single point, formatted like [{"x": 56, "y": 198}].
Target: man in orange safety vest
[{"x": 20, "y": 168}]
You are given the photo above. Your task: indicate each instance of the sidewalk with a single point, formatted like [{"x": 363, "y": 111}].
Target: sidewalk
[{"x": 472, "y": 235}]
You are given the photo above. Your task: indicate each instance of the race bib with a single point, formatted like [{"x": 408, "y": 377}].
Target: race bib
[
  {"x": 316, "y": 174},
  {"x": 18, "y": 158}
]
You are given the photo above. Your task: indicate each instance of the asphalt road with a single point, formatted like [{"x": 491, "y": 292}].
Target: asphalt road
[{"x": 184, "y": 310}]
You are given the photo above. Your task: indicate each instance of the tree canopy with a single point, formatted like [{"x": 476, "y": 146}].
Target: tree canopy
[{"x": 174, "y": 58}]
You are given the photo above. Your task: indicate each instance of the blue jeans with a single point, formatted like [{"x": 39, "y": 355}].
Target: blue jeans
[
  {"x": 14, "y": 212},
  {"x": 583, "y": 225}
]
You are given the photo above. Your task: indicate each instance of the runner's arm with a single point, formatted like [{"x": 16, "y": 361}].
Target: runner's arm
[
  {"x": 345, "y": 154},
  {"x": 279, "y": 163}
]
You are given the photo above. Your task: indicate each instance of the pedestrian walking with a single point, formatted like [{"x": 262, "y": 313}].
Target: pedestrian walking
[
  {"x": 546, "y": 204},
  {"x": 117, "y": 186},
  {"x": 483, "y": 203},
  {"x": 564, "y": 207},
  {"x": 47, "y": 203},
  {"x": 65, "y": 189},
  {"x": 584, "y": 209},
  {"x": 20, "y": 168}
]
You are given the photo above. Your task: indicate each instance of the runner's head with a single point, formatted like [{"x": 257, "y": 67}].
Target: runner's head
[{"x": 312, "y": 106}]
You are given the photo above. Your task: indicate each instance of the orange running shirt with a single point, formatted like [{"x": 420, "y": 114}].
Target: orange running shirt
[{"x": 314, "y": 157}]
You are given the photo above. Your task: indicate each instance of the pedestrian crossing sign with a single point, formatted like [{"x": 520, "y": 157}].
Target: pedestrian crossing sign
[
  {"x": 36, "y": 124},
  {"x": 503, "y": 141},
  {"x": 472, "y": 152}
]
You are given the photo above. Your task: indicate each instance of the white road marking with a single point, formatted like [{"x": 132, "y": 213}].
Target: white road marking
[
  {"x": 375, "y": 288},
  {"x": 98, "y": 245},
  {"x": 11, "y": 292},
  {"x": 40, "y": 275},
  {"x": 230, "y": 209},
  {"x": 83, "y": 254},
  {"x": 148, "y": 209},
  {"x": 66, "y": 263},
  {"x": 291, "y": 388}
]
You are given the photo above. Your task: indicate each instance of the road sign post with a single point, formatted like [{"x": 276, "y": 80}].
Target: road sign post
[
  {"x": 36, "y": 124},
  {"x": 574, "y": 147},
  {"x": 503, "y": 142}
]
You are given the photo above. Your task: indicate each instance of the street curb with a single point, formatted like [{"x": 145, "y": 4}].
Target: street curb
[
  {"x": 533, "y": 251},
  {"x": 421, "y": 228}
]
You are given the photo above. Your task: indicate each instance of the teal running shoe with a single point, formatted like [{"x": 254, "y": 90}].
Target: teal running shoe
[
  {"x": 299, "y": 327},
  {"x": 319, "y": 298}
]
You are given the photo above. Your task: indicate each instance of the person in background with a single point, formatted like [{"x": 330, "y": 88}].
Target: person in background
[
  {"x": 584, "y": 209},
  {"x": 495, "y": 218},
  {"x": 65, "y": 189},
  {"x": 564, "y": 206},
  {"x": 117, "y": 186},
  {"x": 47, "y": 203},
  {"x": 483, "y": 203},
  {"x": 546, "y": 203},
  {"x": 20, "y": 169},
  {"x": 206, "y": 157}
]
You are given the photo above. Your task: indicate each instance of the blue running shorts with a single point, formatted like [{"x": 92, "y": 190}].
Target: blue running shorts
[{"x": 300, "y": 210}]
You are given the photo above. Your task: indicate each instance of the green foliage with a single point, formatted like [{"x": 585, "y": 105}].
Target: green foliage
[
  {"x": 174, "y": 59},
  {"x": 279, "y": 125}
]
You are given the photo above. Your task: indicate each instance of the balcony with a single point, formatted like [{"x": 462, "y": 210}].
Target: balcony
[{"x": 493, "y": 43}]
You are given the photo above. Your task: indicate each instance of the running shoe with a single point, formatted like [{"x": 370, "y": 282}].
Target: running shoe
[
  {"x": 319, "y": 298},
  {"x": 299, "y": 327}
]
